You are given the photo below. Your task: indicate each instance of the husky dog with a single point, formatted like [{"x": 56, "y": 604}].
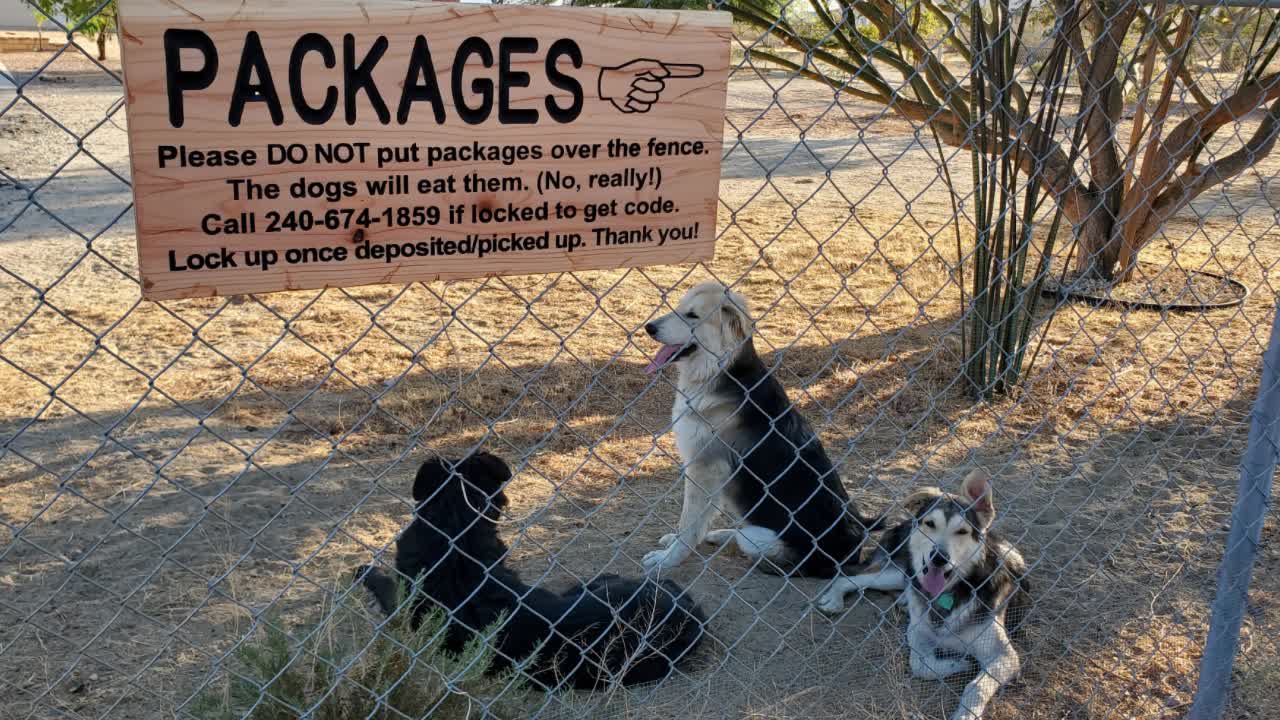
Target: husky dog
[
  {"x": 612, "y": 629},
  {"x": 746, "y": 450},
  {"x": 961, "y": 583}
]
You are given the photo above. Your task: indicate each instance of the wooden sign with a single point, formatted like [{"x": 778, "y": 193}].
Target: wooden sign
[{"x": 291, "y": 144}]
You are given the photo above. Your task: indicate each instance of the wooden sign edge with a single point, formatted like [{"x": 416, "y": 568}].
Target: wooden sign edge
[{"x": 712, "y": 20}]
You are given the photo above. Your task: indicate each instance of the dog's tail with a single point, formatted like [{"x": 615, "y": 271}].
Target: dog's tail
[
  {"x": 650, "y": 629},
  {"x": 871, "y": 524},
  {"x": 854, "y": 563},
  {"x": 1018, "y": 613}
]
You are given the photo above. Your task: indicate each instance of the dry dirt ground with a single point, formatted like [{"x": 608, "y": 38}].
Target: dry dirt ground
[{"x": 170, "y": 473}]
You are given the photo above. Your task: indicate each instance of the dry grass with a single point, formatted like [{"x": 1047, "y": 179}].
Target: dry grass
[{"x": 173, "y": 471}]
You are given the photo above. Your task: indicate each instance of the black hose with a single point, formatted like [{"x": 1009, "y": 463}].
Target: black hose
[{"x": 1242, "y": 292}]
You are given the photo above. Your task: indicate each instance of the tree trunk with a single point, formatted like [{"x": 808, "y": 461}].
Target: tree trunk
[
  {"x": 1097, "y": 245},
  {"x": 102, "y": 45}
]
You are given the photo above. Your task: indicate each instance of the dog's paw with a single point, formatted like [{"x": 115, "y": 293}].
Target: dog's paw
[
  {"x": 666, "y": 558},
  {"x": 719, "y": 537},
  {"x": 932, "y": 667},
  {"x": 831, "y": 602},
  {"x": 667, "y": 540}
]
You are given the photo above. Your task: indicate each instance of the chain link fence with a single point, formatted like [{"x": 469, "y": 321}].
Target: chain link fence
[{"x": 186, "y": 487}]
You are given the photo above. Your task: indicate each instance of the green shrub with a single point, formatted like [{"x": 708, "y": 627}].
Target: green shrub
[{"x": 347, "y": 666}]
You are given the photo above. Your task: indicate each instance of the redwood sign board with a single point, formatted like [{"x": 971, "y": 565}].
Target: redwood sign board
[{"x": 291, "y": 144}]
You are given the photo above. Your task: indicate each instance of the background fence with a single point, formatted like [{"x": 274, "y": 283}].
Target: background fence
[{"x": 177, "y": 477}]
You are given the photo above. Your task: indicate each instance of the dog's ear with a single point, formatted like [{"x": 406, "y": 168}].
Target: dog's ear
[
  {"x": 432, "y": 476},
  {"x": 976, "y": 488},
  {"x": 489, "y": 473},
  {"x": 485, "y": 470},
  {"x": 921, "y": 499},
  {"x": 736, "y": 316}
]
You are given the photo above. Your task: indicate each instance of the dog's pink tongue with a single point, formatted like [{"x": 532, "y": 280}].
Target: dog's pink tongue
[
  {"x": 934, "y": 581},
  {"x": 664, "y": 354}
]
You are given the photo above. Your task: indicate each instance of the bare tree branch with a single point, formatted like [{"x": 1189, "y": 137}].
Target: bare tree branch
[
  {"x": 1127, "y": 194},
  {"x": 1102, "y": 91},
  {"x": 893, "y": 24},
  {"x": 1154, "y": 27},
  {"x": 1136, "y": 204},
  {"x": 1075, "y": 37},
  {"x": 1184, "y": 74},
  {"x": 1182, "y": 140},
  {"x": 805, "y": 72},
  {"x": 1197, "y": 180},
  {"x": 1053, "y": 163}
]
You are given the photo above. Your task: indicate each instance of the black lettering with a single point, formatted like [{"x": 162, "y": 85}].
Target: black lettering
[
  {"x": 252, "y": 60},
  {"x": 178, "y": 80},
  {"x": 420, "y": 66},
  {"x": 360, "y": 77},
  {"x": 567, "y": 48},
  {"x": 480, "y": 86},
  {"x": 312, "y": 42},
  {"x": 508, "y": 78}
]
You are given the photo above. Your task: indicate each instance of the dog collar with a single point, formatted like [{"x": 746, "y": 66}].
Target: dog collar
[{"x": 946, "y": 600}]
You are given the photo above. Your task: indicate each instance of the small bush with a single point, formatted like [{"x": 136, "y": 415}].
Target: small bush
[{"x": 348, "y": 666}]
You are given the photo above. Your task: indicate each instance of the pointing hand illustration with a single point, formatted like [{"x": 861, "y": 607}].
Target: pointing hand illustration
[{"x": 635, "y": 86}]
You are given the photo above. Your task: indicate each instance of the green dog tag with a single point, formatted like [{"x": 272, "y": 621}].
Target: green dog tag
[{"x": 946, "y": 601}]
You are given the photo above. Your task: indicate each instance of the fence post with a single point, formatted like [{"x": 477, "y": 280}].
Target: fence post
[{"x": 1252, "y": 499}]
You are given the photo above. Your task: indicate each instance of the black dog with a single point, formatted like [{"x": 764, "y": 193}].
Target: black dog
[{"x": 611, "y": 630}]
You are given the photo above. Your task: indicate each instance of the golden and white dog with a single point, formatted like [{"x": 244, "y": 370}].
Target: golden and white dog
[{"x": 746, "y": 450}]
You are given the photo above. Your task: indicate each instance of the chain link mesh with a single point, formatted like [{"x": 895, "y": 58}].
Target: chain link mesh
[{"x": 180, "y": 479}]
